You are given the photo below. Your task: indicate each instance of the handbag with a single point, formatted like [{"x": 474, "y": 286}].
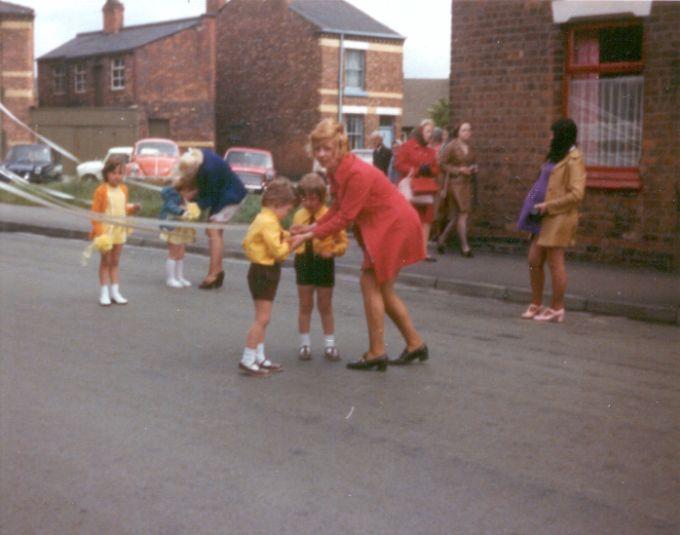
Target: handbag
[
  {"x": 422, "y": 185},
  {"x": 404, "y": 187}
]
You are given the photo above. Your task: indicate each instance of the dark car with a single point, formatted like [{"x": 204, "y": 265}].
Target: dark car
[{"x": 34, "y": 162}]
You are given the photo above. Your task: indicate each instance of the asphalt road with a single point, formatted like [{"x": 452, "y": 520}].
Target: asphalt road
[{"x": 134, "y": 419}]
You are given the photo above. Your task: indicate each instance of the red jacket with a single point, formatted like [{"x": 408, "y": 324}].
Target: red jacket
[
  {"x": 412, "y": 155},
  {"x": 387, "y": 226}
]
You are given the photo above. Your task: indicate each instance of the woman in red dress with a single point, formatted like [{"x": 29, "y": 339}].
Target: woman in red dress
[
  {"x": 417, "y": 158},
  {"x": 386, "y": 227}
]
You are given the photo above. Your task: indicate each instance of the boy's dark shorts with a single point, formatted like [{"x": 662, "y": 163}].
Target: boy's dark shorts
[
  {"x": 263, "y": 281},
  {"x": 314, "y": 270}
]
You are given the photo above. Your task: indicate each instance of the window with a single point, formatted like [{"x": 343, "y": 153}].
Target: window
[
  {"x": 354, "y": 124},
  {"x": 79, "y": 78},
  {"x": 605, "y": 99},
  {"x": 59, "y": 80},
  {"x": 355, "y": 71},
  {"x": 118, "y": 74},
  {"x": 386, "y": 129}
]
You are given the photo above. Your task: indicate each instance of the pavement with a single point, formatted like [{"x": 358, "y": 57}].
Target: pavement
[{"x": 634, "y": 293}]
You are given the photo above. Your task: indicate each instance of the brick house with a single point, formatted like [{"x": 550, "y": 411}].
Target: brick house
[
  {"x": 517, "y": 65},
  {"x": 17, "y": 80},
  {"x": 165, "y": 69},
  {"x": 278, "y": 74}
]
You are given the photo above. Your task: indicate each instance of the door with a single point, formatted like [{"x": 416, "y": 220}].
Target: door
[{"x": 159, "y": 128}]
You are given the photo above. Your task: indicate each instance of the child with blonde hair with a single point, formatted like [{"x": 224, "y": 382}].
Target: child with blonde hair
[
  {"x": 315, "y": 268},
  {"x": 177, "y": 205},
  {"x": 266, "y": 246},
  {"x": 111, "y": 198}
]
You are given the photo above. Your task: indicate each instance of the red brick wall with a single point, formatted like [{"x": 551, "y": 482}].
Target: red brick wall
[
  {"x": 17, "y": 81},
  {"x": 268, "y": 78},
  {"x": 507, "y": 80}
]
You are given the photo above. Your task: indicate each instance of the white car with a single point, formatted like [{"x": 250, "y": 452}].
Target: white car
[{"x": 92, "y": 170}]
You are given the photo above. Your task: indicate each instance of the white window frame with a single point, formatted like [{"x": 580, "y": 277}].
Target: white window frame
[
  {"x": 80, "y": 78},
  {"x": 117, "y": 74},
  {"x": 361, "y": 54},
  {"x": 59, "y": 80},
  {"x": 356, "y": 137}
]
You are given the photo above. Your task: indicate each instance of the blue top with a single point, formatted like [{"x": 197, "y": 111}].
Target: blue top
[
  {"x": 218, "y": 185},
  {"x": 173, "y": 205},
  {"x": 529, "y": 221}
]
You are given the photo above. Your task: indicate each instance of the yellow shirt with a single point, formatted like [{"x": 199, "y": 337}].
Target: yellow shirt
[
  {"x": 117, "y": 206},
  {"x": 264, "y": 242},
  {"x": 335, "y": 244}
]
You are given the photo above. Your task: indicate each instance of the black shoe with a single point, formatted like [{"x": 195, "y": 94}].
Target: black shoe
[
  {"x": 219, "y": 280},
  {"x": 441, "y": 249},
  {"x": 364, "y": 364},
  {"x": 407, "y": 357},
  {"x": 430, "y": 259}
]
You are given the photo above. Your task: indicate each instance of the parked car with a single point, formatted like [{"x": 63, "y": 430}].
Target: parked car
[
  {"x": 364, "y": 154},
  {"x": 34, "y": 162},
  {"x": 153, "y": 158},
  {"x": 92, "y": 170},
  {"x": 255, "y": 167}
]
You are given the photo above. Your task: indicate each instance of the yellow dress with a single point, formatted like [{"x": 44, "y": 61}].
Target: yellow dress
[{"x": 116, "y": 207}]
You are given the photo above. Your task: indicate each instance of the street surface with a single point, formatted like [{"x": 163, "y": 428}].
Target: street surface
[{"x": 134, "y": 419}]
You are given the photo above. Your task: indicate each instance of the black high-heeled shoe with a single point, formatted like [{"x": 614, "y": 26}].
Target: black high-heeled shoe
[
  {"x": 364, "y": 364},
  {"x": 407, "y": 357},
  {"x": 219, "y": 280}
]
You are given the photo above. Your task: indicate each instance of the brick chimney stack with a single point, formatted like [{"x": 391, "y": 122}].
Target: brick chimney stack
[
  {"x": 213, "y": 6},
  {"x": 113, "y": 16}
]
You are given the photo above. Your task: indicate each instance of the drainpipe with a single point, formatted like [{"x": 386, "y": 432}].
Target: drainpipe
[{"x": 341, "y": 87}]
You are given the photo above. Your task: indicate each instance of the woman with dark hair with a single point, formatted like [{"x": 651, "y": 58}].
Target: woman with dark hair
[
  {"x": 417, "y": 159},
  {"x": 550, "y": 214},
  {"x": 386, "y": 227}
]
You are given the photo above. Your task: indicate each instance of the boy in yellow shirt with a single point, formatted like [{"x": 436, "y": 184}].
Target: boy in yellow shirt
[
  {"x": 315, "y": 268},
  {"x": 266, "y": 246}
]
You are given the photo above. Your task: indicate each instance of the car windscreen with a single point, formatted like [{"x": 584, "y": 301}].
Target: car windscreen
[
  {"x": 249, "y": 159},
  {"x": 29, "y": 154},
  {"x": 156, "y": 148}
]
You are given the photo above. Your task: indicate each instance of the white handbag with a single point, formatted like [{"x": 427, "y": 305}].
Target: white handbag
[{"x": 404, "y": 187}]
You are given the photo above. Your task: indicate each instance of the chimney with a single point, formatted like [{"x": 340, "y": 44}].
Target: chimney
[
  {"x": 113, "y": 16},
  {"x": 213, "y": 6}
]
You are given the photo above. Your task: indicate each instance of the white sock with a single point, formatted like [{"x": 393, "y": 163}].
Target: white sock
[
  {"x": 329, "y": 340},
  {"x": 260, "y": 354},
  {"x": 116, "y": 295},
  {"x": 249, "y": 356},
  {"x": 170, "y": 267},
  {"x": 305, "y": 340},
  {"x": 179, "y": 272},
  {"x": 104, "y": 292}
]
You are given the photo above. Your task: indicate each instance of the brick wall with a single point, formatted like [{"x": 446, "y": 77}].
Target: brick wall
[
  {"x": 16, "y": 77},
  {"x": 268, "y": 78},
  {"x": 507, "y": 74}
]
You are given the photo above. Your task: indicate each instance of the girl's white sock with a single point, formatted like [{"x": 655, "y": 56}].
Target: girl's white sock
[
  {"x": 170, "y": 267},
  {"x": 329, "y": 340},
  {"x": 249, "y": 356},
  {"x": 104, "y": 296},
  {"x": 305, "y": 340},
  {"x": 179, "y": 272},
  {"x": 260, "y": 354},
  {"x": 116, "y": 295}
]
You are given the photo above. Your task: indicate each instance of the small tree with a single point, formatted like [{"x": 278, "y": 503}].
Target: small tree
[{"x": 439, "y": 113}]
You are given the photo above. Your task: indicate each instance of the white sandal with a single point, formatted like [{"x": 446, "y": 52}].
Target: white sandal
[
  {"x": 550, "y": 315},
  {"x": 532, "y": 311}
]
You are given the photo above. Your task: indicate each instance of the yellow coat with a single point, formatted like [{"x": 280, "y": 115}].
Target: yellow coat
[
  {"x": 336, "y": 244},
  {"x": 265, "y": 240},
  {"x": 566, "y": 188}
]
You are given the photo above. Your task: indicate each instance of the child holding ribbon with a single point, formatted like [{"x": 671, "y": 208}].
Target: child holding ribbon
[
  {"x": 111, "y": 199},
  {"x": 177, "y": 205}
]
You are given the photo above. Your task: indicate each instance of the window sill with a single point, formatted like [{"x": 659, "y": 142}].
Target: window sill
[
  {"x": 627, "y": 178},
  {"x": 354, "y": 92}
]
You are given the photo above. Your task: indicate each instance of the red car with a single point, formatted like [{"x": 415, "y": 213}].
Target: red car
[
  {"x": 255, "y": 167},
  {"x": 153, "y": 158}
]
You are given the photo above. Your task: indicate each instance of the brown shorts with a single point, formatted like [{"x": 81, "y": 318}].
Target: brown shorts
[{"x": 263, "y": 281}]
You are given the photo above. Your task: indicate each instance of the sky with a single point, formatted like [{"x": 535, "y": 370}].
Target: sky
[{"x": 426, "y": 24}]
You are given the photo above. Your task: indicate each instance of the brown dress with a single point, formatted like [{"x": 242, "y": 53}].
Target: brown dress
[{"x": 459, "y": 186}]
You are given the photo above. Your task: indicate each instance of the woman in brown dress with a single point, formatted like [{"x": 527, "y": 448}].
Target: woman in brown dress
[{"x": 458, "y": 165}]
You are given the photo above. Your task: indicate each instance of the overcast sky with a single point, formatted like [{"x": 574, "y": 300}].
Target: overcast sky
[{"x": 426, "y": 24}]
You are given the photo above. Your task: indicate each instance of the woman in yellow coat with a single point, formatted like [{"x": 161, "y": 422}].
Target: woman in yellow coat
[{"x": 550, "y": 214}]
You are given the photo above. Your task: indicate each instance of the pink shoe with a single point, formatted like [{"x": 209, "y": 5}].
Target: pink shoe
[
  {"x": 531, "y": 311},
  {"x": 550, "y": 315}
]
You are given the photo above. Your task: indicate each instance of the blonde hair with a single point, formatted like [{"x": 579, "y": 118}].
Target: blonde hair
[
  {"x": 312, "y": 184},
  {"x": 426, "y": 122},
  {"x": 330, "y": 129},
  {"x": 189, "y": 163},
  {"x": 279, "y": 192}
]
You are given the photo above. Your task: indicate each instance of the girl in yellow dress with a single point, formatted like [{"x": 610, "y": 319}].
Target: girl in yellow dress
[{"x": 111, "y": 198}]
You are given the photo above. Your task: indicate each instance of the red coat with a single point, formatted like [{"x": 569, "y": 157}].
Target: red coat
[
  {"x": 412, "y": 155},
  {"x": 388, "y": 226}
]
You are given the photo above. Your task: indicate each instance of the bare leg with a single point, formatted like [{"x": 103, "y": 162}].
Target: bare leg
[
  {"x": 375, "y": 314},
  {"x": 104, "y": 261},
  {"x": 426, "y": 235},
  {"x": 306, "y": 299},
  {"x": 398, "y": 313},
  {"x": 216, "y": 248},
  {"x": 114, "y": 263},
  {"x": 558, "y": 274},
  {"x": 445, "y": 233},
  {"x": 536, "y": 261},
  {"x": 256, "y": 334},
  {"x": 324, "y": 302},
  {"x": 175, "y": 252},
  {"x": 461, "y": 226}
]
